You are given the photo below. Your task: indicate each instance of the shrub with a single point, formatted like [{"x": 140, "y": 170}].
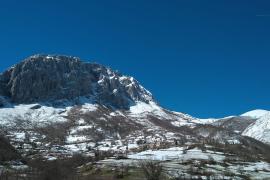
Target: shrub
[
  {"x": 60, "y": 169},
  {"x": 152, "y": 169},
  {"x": 7, "y": 151}
]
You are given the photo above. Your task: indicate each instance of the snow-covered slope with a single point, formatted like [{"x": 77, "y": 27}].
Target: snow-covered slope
[
  {"x": 31, "y": 114},
  {"x": 260, "y": 129},
  {"x": 142, "y": 110},
  {"x": 213, "y": 120},
  {"x": 258, "y": 113},
  {"x": 75, "y": 128},
  {"x": 43, "y": 114}
]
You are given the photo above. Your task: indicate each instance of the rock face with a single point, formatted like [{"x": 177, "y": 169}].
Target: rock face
[{"x": 45, "y": 77}]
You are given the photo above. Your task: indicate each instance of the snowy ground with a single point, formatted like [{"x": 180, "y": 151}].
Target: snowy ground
[
  {"x": 178, "y": 161},
  {"x": 176, "y": 153}
]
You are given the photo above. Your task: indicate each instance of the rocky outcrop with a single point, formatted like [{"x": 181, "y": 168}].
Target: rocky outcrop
[{"x": 47, "y": 78}]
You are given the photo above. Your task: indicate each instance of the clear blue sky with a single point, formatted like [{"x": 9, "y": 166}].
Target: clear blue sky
[{"x": 205, "y": 58}]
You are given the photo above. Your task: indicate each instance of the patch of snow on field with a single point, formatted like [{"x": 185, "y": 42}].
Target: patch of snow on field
[
  {"x": 132, "y": 146},
  {"x": 80, "y": 128},
  {"x": 176, "y": 153},
  {"x": 77, "y": 147},
  {"x": 257, "y": 166},
  {"x": 19, "y": 136},
  {"x": 198, "y": 154},
  {"x": 75, "y": 139},
  {"x": 162, "y": 155},
  {"x": 81, "y": 122},
  {"x": 255, "y": 170}
]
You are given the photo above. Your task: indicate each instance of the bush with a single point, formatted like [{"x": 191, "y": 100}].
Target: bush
[
  {"x": 60, "y": 169},
  {"x": 7, "y": 151},
  {"x": 152, "y": 169},
  {"x": 121, "y": 171}
]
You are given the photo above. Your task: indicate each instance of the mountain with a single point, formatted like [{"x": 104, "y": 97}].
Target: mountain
[
  {"x": 236, "y": 124},
  {"x": 254, "y": 124},
  {"x": 77, "y": 104},
  {"x": 51, "y": 100},
  {"x": 258, "y": 113},
  {"x": 260, "y": 129},
  {"x": 56, "y": 107}
]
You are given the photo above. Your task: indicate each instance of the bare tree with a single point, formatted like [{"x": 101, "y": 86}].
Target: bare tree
[{"x": 152, "y": 169}]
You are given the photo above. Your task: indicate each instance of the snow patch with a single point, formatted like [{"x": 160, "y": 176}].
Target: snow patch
[
  {"x": 88, "y": 107},
  {"x": 31, "y": 116},
  {"x": 75, "y": 139}
]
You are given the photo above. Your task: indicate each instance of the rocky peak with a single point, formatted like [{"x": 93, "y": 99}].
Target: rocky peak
[{"x": 54, "y": 77}]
